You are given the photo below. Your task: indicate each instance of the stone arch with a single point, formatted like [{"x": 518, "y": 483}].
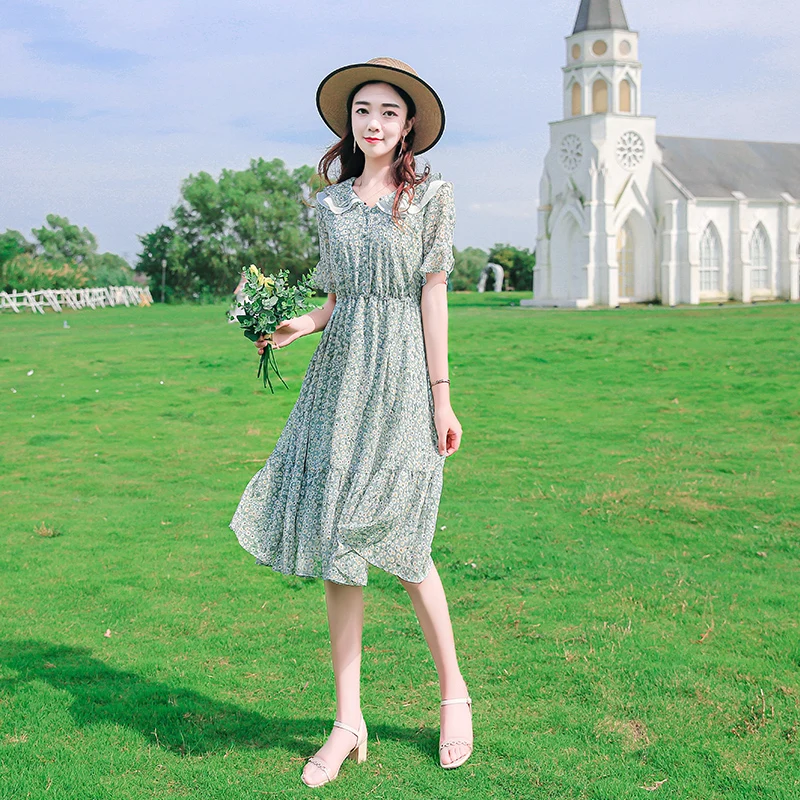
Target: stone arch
[
  {"x": 568, "y": 259},
  {"x": 497, "y": 271},
  {"x": 625, "y": 96},
  {"x": 577, "y": 99},
  {"x": 636, "y": 259},
  {"x": 710, "y": 260},
  {"x": 600, "y": 96},
  {"x": 760, "y": 259}
]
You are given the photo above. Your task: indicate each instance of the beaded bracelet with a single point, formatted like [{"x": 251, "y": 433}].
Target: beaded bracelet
[{"x": 441, "y": 380}]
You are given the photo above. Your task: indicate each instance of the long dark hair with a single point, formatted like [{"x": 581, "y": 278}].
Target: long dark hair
[{"x": 403, "y": 168}]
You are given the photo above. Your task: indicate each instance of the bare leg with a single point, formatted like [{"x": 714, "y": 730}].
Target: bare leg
[
  {"x": 430, "y": 605},
  {"x": 345, "y": 623}
]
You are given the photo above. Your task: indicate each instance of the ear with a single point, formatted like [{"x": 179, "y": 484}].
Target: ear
[{"x": 409, "y": 125}]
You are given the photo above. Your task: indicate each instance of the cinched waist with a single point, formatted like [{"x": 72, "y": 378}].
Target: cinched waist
[{"x": 371, "y": 297}]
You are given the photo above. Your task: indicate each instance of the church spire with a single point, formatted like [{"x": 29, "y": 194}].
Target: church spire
[{"x": 600, "y": 15}]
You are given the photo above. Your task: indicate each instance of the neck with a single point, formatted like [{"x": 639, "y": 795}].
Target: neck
[{"x": 377, "y": 172}]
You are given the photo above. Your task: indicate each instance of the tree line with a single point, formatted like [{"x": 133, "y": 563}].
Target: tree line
[
  {"x": 61, "y": 256},
  {"x": 261, "y": 215}
]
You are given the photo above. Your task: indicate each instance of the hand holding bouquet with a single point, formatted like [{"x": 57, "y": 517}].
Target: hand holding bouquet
[{"x": 269, "y": 304}]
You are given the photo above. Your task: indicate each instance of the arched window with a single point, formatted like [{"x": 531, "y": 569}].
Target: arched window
[
  {"x": 600, "y": 97},
  {"x": 577, "y": 100},
  {"x": 625, "y": 96},
  {"x": 760, "y": 259},
  {"x": 625, "y": 261},
  {"x": 710, "y": 260}
]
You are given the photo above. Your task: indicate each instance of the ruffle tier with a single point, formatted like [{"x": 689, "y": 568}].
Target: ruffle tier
[{"x": 331, "y": 523}]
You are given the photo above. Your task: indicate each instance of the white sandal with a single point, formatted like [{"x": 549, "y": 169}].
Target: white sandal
[
  {"x": 453, "y": 742},
  {"x": 358, "y": 753}
]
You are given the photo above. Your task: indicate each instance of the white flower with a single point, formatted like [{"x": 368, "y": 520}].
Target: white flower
[{"x": 30, "y": 372}]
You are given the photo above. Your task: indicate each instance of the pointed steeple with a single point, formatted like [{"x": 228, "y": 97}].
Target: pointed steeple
[{"x": 600, "y": 15}]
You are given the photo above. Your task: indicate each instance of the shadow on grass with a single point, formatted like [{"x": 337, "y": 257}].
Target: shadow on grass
[{"x": 180, "y": 721}]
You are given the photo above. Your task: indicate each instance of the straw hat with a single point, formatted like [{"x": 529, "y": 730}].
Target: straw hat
[{"x": 335, "y": 88}]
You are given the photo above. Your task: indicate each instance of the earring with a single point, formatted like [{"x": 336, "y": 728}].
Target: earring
[{"x": 354, "y": 144}]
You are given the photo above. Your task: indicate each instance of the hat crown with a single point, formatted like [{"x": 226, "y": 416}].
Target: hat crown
[
  {"x": 337, "y": 87},
  {"x": 395, "y": 63}
]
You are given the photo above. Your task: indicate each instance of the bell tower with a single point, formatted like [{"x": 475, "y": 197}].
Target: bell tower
[
  {"x": 596, "y": 244},
  {"x": 603, "y": 74}
]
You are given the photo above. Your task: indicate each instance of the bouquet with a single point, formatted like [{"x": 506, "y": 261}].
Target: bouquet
[{"x": 267, "y": 300}]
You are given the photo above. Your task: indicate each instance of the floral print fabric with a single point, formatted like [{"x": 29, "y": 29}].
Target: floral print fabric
[{"x": 355, "y": 477}]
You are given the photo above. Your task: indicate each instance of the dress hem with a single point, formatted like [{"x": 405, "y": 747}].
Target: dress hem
[{"x": 261, "y": 563}]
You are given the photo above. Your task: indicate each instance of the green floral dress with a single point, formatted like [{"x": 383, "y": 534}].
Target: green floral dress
[{"x": 355, "y": 477}]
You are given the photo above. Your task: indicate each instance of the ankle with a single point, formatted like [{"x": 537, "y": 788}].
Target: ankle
[
  {"x": 451, "y": 687},
  {"x": 351, "y": 717}
]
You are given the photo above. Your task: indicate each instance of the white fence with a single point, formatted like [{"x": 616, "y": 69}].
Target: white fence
[{"x": 56, "y": 299}]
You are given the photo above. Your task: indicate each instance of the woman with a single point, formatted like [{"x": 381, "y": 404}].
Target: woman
[{"x": 356, "y": 475}]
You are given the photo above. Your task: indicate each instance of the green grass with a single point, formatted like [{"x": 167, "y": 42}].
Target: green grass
[{"x": 618, "y": 539}]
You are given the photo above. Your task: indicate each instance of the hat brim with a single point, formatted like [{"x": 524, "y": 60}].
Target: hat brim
[{"x": 335, "y": 88}]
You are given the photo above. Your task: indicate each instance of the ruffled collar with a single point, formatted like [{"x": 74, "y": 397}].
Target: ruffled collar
[{"x": 341, "y": 197}]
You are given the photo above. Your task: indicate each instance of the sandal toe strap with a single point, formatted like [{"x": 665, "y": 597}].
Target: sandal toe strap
[
  {"x": 317, "y": 762},
  {"x": 454, "y": 742}
]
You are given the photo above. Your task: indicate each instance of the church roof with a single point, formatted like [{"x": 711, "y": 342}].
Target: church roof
[
  {"x": 717, "y": 167},
  {"x": 600, "y": 15}
]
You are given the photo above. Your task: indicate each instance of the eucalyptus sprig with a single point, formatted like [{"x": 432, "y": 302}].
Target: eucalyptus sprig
[{"x": 268, "y": 301}]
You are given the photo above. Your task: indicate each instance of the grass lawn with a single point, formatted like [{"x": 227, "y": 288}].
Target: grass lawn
[{"x": 618, "y": 536}]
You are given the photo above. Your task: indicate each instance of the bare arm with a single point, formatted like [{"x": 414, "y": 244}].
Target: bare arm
[
  {"x": 317, "y": 319},
  {"x": 437, "y": 245},
  {"x": 434, "y": 328},
  {"x": 291, "y": 329}
]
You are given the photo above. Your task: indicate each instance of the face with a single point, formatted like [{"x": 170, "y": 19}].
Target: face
[{"x": 378, "y": 117}]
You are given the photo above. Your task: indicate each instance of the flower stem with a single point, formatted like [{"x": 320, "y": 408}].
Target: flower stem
[{"x": 266, "y": 362}]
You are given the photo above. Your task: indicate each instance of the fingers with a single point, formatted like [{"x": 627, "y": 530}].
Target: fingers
[{"x": 452, "y": 442}]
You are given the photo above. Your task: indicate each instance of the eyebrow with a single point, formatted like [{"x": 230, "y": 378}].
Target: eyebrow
[{"x": 366, "y": 103}]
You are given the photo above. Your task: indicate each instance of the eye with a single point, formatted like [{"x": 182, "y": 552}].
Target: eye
[{"x": 393, "y": 113}]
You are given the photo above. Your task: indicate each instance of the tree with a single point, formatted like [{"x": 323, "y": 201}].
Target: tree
[
  {"x": 518, "y": 266},
  {"x": 468, "y": 267},
  {"x": 109, "y": 269},
  {"x": 63, "y": 257},
  {"x": 259, "y": 215},
  {"x": 62, "y": 241},
  {"x": 12, "y": 244}
]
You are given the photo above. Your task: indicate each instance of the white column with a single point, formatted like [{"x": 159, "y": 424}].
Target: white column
[
  {"x": 541, "y": 272},
  {"x": 595, "y": 279},
  {"x": 787, "y": 248},
  {"x": 669, "y": 254},
  {"x": 692, "y": 253},
  {"x": 741, "y": 254}
]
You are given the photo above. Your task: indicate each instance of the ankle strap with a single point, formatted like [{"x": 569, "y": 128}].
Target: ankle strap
[
  {"x": 338, "y": 724},
  {"x": 457, "y": 700}
]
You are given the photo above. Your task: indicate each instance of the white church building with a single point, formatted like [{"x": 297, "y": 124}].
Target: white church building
[{"x": 627, "y": 215}]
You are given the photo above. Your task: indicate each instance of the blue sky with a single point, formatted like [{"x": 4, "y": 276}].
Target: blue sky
[{"x": 105, "y": 108}]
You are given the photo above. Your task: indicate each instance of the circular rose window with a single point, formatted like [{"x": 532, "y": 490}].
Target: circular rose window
[
  {"x": 599, "y": 48},
  {"x": 570, "y": 153},
  {"x": 630, "y": 150}
]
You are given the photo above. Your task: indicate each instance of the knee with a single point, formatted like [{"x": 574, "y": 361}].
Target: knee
[{"x": 409, "y": 586}]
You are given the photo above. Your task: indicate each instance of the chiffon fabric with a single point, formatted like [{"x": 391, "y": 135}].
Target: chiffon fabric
[{"x": 355, "y": 477}]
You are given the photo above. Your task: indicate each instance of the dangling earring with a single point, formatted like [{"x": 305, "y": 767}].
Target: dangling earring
[{"x": 354, "y": 143}]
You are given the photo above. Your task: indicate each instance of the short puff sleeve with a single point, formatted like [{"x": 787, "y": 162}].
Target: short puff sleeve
[
  {"x": 437, "y": 231},
  {"x": 322, "y": 276}
]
